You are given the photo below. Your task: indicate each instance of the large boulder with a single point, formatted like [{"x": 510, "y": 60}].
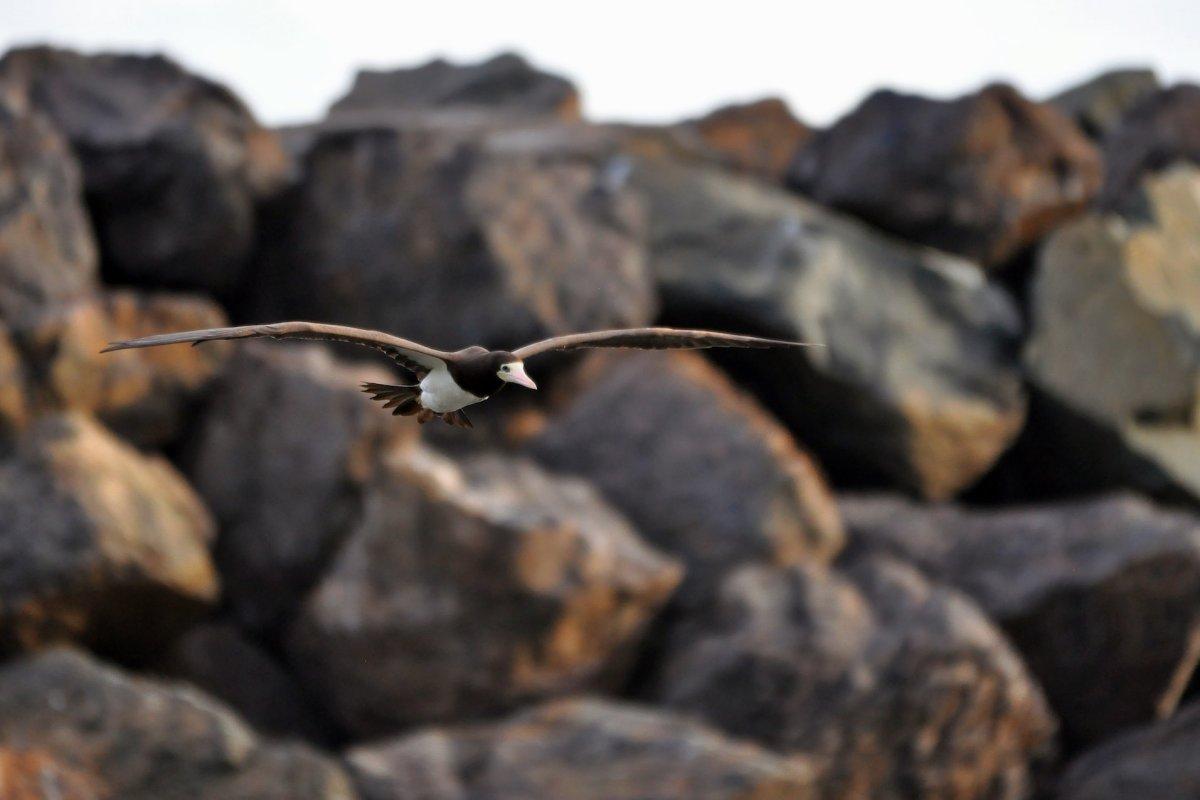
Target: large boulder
[
  {"x": 1157, "y": 762},
  {"x": 1102, "y": 597},
  {"x": 120, "y": 737},
  {"x": 577, "y": 750},
  {"x": 1099, "y": 105},
  {"x": 702, "y": 471},
  {"x": 173, "y": 164},
  {"x": 100, "y": 544},
  {"x": 985, "y": 175},
  {"x": 760, "y": 138},
  {"x": 893, "y": 687},
  {"x": 1161, "y": 130},
  {"x": 471, "y": 587},
  {"x": 917, "y": 384},
  {"x": 47, "y": 254},
  {"x": 281, "y": 454},
  {"x": 505, "y": 85},
  {"x": 436, "y": 234},
  {"x": 1114, "y": 348}
]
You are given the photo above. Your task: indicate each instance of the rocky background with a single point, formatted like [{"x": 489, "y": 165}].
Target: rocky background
[{"x": 954, "y": 554}]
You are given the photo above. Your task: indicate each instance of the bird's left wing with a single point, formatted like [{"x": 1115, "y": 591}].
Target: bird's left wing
[
  {"x": 652, "y": 339},
  {"x": 411, "y": 355}
]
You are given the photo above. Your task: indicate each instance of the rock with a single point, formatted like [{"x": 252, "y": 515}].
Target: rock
[
  {"x": 1102, "y": 597},
  {"x": 984, "y": 176},
  {"x": 760, "y": 138},
  {"x": 1157, "y": 762},
  {"x": 1115, "y": 346},
  {"x": 13, "y": 387},
  {"x": 1160, "y": 131},
  {"x": 892, "y": 686},
  {"x": 47, "y": 254},
  {"x": 433, "y": 233},
  {"x": 577, "y": 750},
  {"x": 470, "y": 588},
  {"x": 146, "y": 396},
  {"x": 281, "y": 455},
  {"x": 701, "y": 470},
  {"x": 27, "y": 774},
  {"x": 101, "y": 544},
  {"x": 173, "y": 164},
  {"x": 219, "y": 659},
  {"x": 917, "y": 385},
  {"x": 505, "y": 85},
  {"x": 137, "y": 739},
  {"x": 1098, "y": 105}
]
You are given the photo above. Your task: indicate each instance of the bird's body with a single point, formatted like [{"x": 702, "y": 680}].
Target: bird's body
[{"x": 449, "y": 382}]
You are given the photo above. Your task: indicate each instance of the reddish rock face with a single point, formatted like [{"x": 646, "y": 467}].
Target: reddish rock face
[
  {"x": 1158, "y": 132},
  {"x": 578, "y": 750},
  {"x": 984, "y": 176},
  {"x": 760, "y": 137}
]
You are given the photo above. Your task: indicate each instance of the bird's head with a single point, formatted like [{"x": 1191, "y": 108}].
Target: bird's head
[{"x": 511, "y": 369}]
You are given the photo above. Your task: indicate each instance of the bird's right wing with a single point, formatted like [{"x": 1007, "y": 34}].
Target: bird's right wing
[{"x": 411, "y": 355}]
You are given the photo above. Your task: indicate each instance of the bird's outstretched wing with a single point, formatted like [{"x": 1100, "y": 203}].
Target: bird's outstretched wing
[
  {"x": 411, "y": 355},
  {"x": 652, "y": 339}
]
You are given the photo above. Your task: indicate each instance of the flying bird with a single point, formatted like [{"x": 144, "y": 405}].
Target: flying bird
[{"x": 449, "y": 382}]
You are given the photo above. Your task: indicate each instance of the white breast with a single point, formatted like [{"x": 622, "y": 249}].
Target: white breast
[{"x": 440, "y": 393}]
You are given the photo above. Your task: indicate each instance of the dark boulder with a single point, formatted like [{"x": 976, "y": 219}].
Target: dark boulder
[
  {"x": 1099, "y": 105},
  {"x": 1160, "y": 131}
]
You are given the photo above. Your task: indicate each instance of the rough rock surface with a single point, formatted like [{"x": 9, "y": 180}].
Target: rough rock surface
[
  {"x": 577, "y": 750},
  {"x": 14, "y": 402},
  {"x": 1157, "y": 762},
  {"x": 1156, "y": 133},
  {"x": 701, "y": 470},
  {"x": 1099, "y": 105},
  {"x": 120, "y": 737},
  {"x": 471, "y": 587},
  {"x": 47, "y": 254},
  {"x": 892, "y": 686},
  {"x": 984, "y": 176},
  {"x": 917, "y": 384},
  {"x": 173, "y": 164},
  {"x": 503, "y": 85},
  {"x": 1115, "y": 345},
  {"x": 281, "y": 455},
  {"x": 760, "y": 138},
  {"x": 431, "y": 232},
  {"x": 101, "y": 544},
  {"x": 1102, "y": 597}
]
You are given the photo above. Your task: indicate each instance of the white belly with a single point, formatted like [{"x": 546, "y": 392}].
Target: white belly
[{"x": 440, "y": 393}]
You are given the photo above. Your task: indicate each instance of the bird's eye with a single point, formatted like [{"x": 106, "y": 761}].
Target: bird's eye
[{"x": 504, "y": 368}]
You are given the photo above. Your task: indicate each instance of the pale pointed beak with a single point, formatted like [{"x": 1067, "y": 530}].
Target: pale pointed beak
[{"x": 518, "y": 376}]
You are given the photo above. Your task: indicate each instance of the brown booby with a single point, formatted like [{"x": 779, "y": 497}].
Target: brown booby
[{"x": 449, "y": 382}]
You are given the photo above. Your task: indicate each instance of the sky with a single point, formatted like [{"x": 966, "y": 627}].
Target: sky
[{"x": 641, "y": 61}]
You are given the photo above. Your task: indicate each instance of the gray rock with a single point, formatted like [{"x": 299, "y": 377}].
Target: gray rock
[
  {"x": 1162, "y": 130},
  {"x": 1099, "y": 105}
]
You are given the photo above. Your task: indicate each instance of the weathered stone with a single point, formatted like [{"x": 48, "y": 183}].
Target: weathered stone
[
  {"x": 470, "y": 588},
  {"x": 505, "y": 85},
  {"x": 13, "y": 387},
  {"x": 578, "y": 750},
  {"x": 891, "y": 686},
  {"x": 1115, "y": 345},
  {"x": 47, "y": 254},
  {"x": 917, "y": 384},
  {"x": 137, "y": 739},
  {"x": 100, "y": 544},
  {"x": 281, "y": 455},
  {"x": 984, "y": 176},
  {"x": 701, "y": 470},
  {"x": 1157, "y": 762},
  {"x": 1158, "y": 132},
  {"x": 1099, "y": 105},
  {"x": 760, "y": 138},
  {"x": 173, "y": 164},
  {"x": 1102, "y": 597}
]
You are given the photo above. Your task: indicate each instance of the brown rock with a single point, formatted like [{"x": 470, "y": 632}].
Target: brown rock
[
  {"x": 13, "y": 387},
  {"x": 1158, "y": 132},
  {"x": 760, "y": 138},
  {"x": 101, "y": 544},
  {"x": 281, "y": 455},
  {"x": 577, "y": 750},
  {"x": 984, "y": 176},
  {"x": 1102, "y": 597},
  {"x": 1099, "y": 105},
  {"x": 917, "y": 385},
  {"x": 173, "y": 164},
  {"x": 47, "y": 254},
  {"x": 28, "y": 774},
  {"x": 473, "y": 587},
  {"x": 702, "y": 471},
  {"x": 137, "y": 739},
  {"x": 1157, "y": 762},
  {"x": 892, "y": 686}
]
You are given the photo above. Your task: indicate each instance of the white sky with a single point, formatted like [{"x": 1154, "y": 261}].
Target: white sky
[{"x": 646, "y": 60}]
